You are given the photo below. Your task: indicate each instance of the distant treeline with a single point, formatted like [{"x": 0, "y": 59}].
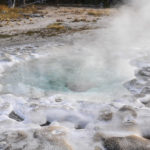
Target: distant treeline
[
  {"x": 92, "y": 2},
  {"x": 100, "y": 3}
]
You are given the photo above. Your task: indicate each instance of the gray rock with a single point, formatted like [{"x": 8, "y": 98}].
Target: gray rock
[
  {"x": 105, "y": 114},
  {"x": 16, "y": 117},
  {"x": 128, "y": 108},
  {"x": 126, "y": 143}
]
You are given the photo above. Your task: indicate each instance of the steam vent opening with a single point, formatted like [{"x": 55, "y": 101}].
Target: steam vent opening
[{"x": 70, "y": 74}]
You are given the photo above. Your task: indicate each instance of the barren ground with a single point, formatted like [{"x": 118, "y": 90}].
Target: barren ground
[{"x": 48, "y": 22}]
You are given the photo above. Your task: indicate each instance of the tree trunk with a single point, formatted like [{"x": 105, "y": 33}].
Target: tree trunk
[
  {"x": 10, "y": 3},
  {"x": 24, "y": 2},
  {"x": 14, "y": 4}
]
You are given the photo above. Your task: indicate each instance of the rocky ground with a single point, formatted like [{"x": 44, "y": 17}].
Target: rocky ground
[
  {"x": 48, "y": 22},
  {"x": 56, "y": 123}
]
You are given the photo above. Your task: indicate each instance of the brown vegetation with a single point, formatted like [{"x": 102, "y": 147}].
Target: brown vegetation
[
  {"x": 51, "y": 30},
  {"x": 56, "y": 26},
  {"x": 80, "y": 20},
  {"x": 7, "y": 14},
  {"x": 100, "y": 12}
]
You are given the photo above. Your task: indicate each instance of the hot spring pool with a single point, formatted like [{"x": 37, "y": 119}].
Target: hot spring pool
[{"x": 72, "y": 74}]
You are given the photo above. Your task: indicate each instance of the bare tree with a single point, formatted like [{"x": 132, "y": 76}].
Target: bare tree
[
  {"x": 9, "y": 3},
  {"x": 14, "y": 3},
  {"x": 24, "y": 2}
]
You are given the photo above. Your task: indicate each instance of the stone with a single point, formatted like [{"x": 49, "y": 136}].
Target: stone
[
  {"x": 134, "y": 86},
  {"x": 128, "y": 108},
  {"x": 105, "y": 114},
  {"x": 126, "y": 143},
  {"x": 46, "y": 124},
  {"x": 97, "y": 148},
  {"x": 52, "y": 137},
  {"x": 145, "y": 72},
  {"x": 16, "y": 117},
  {"x": 58, "y": 100}
]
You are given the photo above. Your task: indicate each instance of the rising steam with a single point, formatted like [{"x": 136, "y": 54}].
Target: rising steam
[{"x": 98, "y": 62}]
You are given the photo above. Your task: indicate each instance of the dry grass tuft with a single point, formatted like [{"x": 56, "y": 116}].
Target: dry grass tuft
[
  {"x": 77, "y": 11},
  {"x": 59, "y": 20},
  {"x": 56, "y": 26},
  {"x": 100, "y": 12},
  {"x": 7, "y": 14},
  {"x": 80, "y": 20}
]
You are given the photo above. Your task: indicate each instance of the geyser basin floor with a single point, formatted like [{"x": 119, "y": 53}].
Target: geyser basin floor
[{"x": 91, "y": 65}]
